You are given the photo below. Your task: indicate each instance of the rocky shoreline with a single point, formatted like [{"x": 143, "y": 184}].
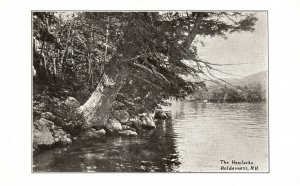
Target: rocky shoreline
[{"x": 49, "y": 132}]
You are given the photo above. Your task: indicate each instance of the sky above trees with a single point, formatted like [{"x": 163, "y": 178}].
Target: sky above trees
[{"x": 239, "y": 48}]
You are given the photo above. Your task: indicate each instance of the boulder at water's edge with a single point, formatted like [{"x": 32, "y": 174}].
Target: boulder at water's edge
[
  {"x": 121, "y": 115},
  {"x": 113, "y": 125},
  {"x": 42, "y": 133},
  {"x": 147, "y": 121}
]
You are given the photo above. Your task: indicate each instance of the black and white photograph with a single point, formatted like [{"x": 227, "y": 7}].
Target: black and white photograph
[
  {"x": 144, "y": 93},
  {"x": 150, "y": 91}
]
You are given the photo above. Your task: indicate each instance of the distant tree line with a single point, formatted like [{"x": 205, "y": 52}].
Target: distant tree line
[{"x": 252, "y": 93}]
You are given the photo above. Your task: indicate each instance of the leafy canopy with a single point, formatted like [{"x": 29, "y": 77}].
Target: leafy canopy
[{"x": 158, "y": 48}]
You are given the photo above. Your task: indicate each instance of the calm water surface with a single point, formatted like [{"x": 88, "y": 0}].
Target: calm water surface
[{"x": 197, "y": 138}]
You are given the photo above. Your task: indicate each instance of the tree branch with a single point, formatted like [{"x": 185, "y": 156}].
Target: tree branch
[
  {"x": 148, "y": 82},
  {"x": 154, "y": 72}
]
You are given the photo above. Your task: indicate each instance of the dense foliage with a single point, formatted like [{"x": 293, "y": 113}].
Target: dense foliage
[{"x": 72, "y": 50}]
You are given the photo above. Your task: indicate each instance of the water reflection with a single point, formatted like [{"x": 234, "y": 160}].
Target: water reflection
[
  {"x": 152, "y": 151},
  {"x": 198, "y": 137},
  {"x": 220, "y": 131}
]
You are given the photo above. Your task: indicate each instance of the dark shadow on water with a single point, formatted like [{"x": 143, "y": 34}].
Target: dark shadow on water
[{"x": 151, "y": 151}]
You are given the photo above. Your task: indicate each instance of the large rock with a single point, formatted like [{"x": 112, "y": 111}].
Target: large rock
[
  {"x": 42, "y": 133},
  {"x": 72, "y": 102},
  {"x": 48, "y": 116},
  {"x": 127, "y": 133},
  {"x": 43, "y": 125},
  {"x": 113, "y": 125},
  {"x": 147, "y": 121},
  {"x": 121, "y": 115},
  {"x": 135, "y": 124}
]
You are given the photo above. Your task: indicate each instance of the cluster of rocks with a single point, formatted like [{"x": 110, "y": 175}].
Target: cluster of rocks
[
  {"x": 46, "y": 134},
  {"x": 120, "y": 123}
]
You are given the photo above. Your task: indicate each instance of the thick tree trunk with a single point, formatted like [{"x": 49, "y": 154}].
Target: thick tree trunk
[{"x": 96, "y": 110}]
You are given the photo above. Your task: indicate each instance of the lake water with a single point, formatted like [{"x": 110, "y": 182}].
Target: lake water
[{"x": 195, "y": 140}]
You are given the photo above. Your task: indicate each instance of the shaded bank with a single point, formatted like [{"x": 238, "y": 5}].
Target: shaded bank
[
  {"x": 66, "y": 125},
  {"x": 150, "y": 151}
]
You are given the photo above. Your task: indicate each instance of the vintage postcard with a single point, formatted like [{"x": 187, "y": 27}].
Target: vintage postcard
[{"x": 150, "y": 91}]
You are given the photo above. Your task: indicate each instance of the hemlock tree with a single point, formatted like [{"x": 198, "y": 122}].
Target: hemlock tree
[{"x": 147, "y": 55}]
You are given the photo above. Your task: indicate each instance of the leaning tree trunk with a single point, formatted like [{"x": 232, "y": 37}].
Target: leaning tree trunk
[{"x": 97, "y": 108}]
